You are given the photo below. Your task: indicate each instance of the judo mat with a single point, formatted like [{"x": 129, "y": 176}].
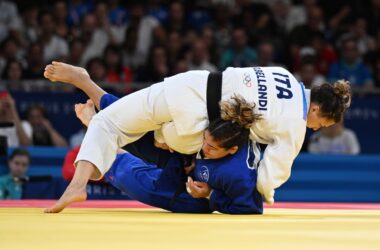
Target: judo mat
[{"x": 132, "y": 225}]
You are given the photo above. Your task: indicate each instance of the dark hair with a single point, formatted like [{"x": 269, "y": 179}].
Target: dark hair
[
  {"x": 17, "y": 152},
  {"x": 237, "y": 116},
  {"x": 36, "y": 106},
  {"x": 333, "y": 100},
  {"x": 5, "y": 74},
  {"x": 116, "y": 50}
]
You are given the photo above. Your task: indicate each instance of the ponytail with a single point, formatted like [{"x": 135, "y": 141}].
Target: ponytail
[{"x": 333, "y": 100}]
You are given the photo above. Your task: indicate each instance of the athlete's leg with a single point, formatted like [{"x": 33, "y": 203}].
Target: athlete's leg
[
  {"x": 124, "y": 122},
  {"x": 153, "y": 186},
  {"x": 84, "y": 171},
  {"x": 77, "y": 77},
  {"x": 76, "y": 191}
]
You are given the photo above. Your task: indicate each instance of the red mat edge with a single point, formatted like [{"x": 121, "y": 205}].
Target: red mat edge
[{"x": 136, "y": 204}]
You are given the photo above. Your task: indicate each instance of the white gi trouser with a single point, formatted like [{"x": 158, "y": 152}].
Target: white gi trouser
[{"x": 126, "y": 121}]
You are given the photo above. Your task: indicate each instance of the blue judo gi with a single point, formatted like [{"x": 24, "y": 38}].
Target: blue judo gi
[{"x": 232, "y": 178}]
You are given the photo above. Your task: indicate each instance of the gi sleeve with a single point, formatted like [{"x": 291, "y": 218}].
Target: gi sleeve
[
  {"x": 275, "y": 167},
  {"x": 106, "y": 100}
]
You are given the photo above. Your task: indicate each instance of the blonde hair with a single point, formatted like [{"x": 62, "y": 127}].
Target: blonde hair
[
  {"x": 239, "y": 111},
  {"x": 232, "y": 128}
]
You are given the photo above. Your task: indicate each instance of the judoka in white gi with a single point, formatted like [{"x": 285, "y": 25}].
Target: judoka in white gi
[{"x": 176, "y": 109}]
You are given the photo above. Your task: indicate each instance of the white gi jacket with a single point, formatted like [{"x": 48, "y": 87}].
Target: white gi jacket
[{"x": 279, "y": 97}]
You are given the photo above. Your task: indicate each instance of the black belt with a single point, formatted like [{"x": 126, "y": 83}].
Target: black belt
[{"x": 214, "y": 95}]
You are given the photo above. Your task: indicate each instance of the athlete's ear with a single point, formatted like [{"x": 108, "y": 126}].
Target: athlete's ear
[
  {"x": 315, "y": 107},
  {"x": 233, "y": 150}
]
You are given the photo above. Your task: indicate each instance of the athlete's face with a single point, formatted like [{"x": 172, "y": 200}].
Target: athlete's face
[
  {"x": 212, "y": 150},
  {"x": 314, "y": 119}
]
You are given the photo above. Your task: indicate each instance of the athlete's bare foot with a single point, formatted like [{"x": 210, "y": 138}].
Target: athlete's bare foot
[
  {"x": 85, "y": 112},
  {"x": 66, "y": 73},
  {"x": 73, "y": 193}
]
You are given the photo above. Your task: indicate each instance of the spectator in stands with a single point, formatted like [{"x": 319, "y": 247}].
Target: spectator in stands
[
  {"x": 324, "y": 53},
  {"x": 35, "y": 62},
  {"x": 132, "y": 57},
  {"x": 372, "y": 16},
  {"x": 177, "y": 19},
  {"x": 60, "y": 13},
  {"x": 144, "y": 26},
  {"x": 208, "y": 37},
  {"x": 308, "y": 74},
  {"x": 10, "y": 49},
  {"x": 289, "y": 16},
  {"x": 11, "y": 184},
  {"x": 13, "y": 75},
  {"x": 43, "y": 133},
  {"x": 222, "y": 26},
  {"x": 17, "y": 132},
  {"x": 117, "y": 14},
  {"x": 94, "y": 38},
  {"x": 97, "y": 69},
  {"x": 200, "y": 58},
  {"x": 76, "y": 11},
  {"x": 76, "y": 51},
  {"x": 10, "y": 21},
  {"x": 350, "y": 66},
  {"x": 174, "y": 48},
  {"x": 265, "y": 55},
  {"x": 116, "y": 72},
  {"x": 157, "y": 67},
  {"x": 240, "y": 54},
  {"x": 300, "y": 35},
  {"x": 54, "y": 47},
  {"x": 180, "y": 66},
  {"x": 365, "y": 41},
  {"x": 157, "y": 10},
  {"x": 115, "y": 33},
  {"x": 30, "y": 24},
  {"x": 335, "y": 139}
]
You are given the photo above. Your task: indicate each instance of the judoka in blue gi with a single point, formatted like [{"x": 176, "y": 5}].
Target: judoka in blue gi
[{"x": 158, "y": 178}]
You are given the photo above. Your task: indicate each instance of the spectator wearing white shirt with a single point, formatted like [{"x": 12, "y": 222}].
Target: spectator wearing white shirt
[
  {"x": 17, "y": 133},
  {"x": 95, "y": 38},
  {"x": 335, "y": 139},
  {"x": 200, "y": 57},
  {"x": 10, "y": 21},
  {"x": 145, "y": 26},
  {"x": 54, "y": 47}
]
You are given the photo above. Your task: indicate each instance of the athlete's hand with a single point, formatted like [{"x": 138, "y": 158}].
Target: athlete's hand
[
  {"x": 197, "y": 189},
  {"x": 190, "y": 168}
]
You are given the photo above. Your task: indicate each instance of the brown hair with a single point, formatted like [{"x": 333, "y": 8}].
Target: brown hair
[
  {"x": 333, "y": 100},
  {"x": 232, "y": 128}
]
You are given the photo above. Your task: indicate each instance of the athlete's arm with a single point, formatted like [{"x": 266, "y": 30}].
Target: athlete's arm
[{"x": 275, "y": 167}]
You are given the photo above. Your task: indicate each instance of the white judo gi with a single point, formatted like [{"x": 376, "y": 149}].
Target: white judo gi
[{"x": 176, "y": 108}]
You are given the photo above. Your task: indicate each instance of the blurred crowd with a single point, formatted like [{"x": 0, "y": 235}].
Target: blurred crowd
[
  {"x": 144, "y": 41},
  {"x": 125, "y": 42}
]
